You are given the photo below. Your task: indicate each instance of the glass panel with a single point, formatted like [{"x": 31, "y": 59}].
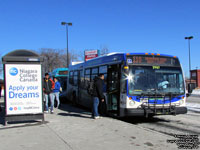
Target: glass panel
[
  {"x": 146, "y": 80},
  {"x": 75, "y": 80},
  {"x": 71, "y": 77},
  {"x": 75, "y": 73},
  {"x": 87, "y": 71},
  {"x": 95, "y": 71},
  {"x": 123, "y": 83},
  {"x": 113, "y": 81},
  {"x": 71, "y": 73},
  {"x": 63, "y": 72},
  {"x": 103, "y": 69},
  {"x": 87, "y": 80},
  {"x": 105, "y": 83},
  {"x": 81, "y": 79},
  {"x": 93, "y": 76}
]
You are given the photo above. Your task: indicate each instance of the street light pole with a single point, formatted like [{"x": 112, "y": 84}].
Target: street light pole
[
  {"x": 67, "y": 24},
  {"x": 189, "y": 38}
]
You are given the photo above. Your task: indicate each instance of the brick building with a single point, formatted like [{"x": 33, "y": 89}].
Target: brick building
[{"x": 195, "y": 76}]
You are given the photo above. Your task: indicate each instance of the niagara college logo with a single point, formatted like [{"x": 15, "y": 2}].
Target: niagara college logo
[{"x": 13, "y": 71}]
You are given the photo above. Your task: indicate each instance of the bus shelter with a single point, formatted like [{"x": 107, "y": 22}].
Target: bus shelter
[{"x": 23, "y": 95}]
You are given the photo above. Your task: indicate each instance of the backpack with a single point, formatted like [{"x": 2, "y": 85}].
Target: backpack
[{"x": 91, "y": 88}]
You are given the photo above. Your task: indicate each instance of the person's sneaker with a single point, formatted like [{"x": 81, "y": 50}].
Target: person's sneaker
[
  {"x": 52, "y": 112},
  {"x": 46, "y": 112},
  {"x": 97, "y": 117}
]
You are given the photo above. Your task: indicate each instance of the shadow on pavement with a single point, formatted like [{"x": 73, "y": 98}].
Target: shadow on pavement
[
  {"x": 73, "y": 115},
  {"x": 74, "y": 110},
  {"x": 139, "y": 120}
]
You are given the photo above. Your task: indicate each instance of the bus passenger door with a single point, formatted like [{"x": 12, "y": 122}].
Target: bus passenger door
[
  {"x": 79, "y": 91},
  {"x": 113, "y": 89}
]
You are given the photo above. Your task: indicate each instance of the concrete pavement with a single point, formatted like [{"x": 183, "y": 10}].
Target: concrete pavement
[{"x": 71, "y": 128}]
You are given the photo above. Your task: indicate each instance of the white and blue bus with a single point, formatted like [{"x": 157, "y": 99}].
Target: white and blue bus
[{"x": 136, "y": 84}]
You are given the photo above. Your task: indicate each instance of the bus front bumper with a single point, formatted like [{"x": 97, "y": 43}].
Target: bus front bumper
[{"x": 152, "y": 111}]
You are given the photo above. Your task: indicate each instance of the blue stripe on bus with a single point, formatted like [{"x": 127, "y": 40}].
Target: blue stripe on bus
[{"x": 156, "y": 101}]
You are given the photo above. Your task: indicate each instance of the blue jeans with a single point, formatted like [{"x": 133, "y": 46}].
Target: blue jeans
[
  {"x": 56, "y": 94},
  {"x": 95, "y": 106},
  {"x": 47, "y": 96}
]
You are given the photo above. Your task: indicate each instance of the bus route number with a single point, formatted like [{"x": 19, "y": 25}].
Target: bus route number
[{"x": 137, "y": 59}]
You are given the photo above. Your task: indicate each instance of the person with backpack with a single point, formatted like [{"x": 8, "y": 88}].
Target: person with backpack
[
  {"x": 48, "y": 86},
  {"x": 56, "y": 91},
  {"x": 97, "y": 95}
]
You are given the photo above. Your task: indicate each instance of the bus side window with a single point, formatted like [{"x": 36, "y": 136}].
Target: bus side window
[
  {"x": 105, "y": 83},
  {"x": 94, "y": 73},
  {"x": 81, "y": 79},
  {"x": 104, "y": 69},
  {"x": 71, "y": 77},
  {"x": 75, "y": 78},
  {"x": 87, "y": 78}
]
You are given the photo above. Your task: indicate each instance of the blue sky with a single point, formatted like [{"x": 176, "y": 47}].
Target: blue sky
[{"x": 157, "y": 26}]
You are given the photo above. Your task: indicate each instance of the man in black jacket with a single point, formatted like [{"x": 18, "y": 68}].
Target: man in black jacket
[
  {"x": 98, "y": 95},
  {"x": 48, "y": 86}
]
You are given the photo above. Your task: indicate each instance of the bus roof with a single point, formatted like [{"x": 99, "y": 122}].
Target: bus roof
[
  {"x": 58, "y": 69},
  {"x": 112, "y": 58},
  {"x": 60, "y": 72},
  {"x": 157, "y": 54}
]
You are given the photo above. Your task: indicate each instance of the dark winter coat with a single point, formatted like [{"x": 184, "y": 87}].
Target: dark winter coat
[
  {"x": 48, "y": 86},
  {"x": 99, "y": 88}
]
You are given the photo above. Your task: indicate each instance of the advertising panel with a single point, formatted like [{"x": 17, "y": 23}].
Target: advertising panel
[
  {"x": 89, "y": 54},
  {"x": 23, "y": 89}
]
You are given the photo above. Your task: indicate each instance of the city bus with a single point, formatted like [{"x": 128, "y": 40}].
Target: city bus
[
  {"x": 136, "y": 84},
  {"x": 62, "y": 75}
]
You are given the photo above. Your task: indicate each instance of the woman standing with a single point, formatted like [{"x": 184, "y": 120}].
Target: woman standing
[{"x": 56, "y": 91}]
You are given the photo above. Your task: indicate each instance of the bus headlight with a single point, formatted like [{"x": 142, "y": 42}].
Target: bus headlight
[{"x": 131, "y": 103}]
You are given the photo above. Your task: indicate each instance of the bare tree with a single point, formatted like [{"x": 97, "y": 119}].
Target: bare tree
[
  {"x": 53, "y": 58},
  {"x": 76, "y": 56},
  {"x": 56, "y": 58}
]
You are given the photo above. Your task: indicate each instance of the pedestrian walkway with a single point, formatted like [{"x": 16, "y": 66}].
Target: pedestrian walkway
[{"x": 71, "y": 128}]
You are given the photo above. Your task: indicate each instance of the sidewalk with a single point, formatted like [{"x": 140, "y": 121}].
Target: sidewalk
[
  {"x": 195, "y": 93},
  {"x": 72, "y": 129}
]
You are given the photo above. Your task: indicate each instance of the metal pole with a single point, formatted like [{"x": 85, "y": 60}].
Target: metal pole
[
  {"x": 67, "y": 46},
  {"x": 189, "y": 38},
  {"x": 67, "y": 24},
  {"x": 189, "y": 59}
]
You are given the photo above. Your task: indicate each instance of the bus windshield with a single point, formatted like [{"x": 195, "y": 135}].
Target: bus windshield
[{"x": 155, "y": 79}]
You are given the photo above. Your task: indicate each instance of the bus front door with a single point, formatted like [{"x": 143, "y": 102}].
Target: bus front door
[{"x": 113, "y": 89}]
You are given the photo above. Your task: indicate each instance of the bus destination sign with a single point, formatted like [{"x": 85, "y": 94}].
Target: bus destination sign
[{"x": 152, "y": 60}]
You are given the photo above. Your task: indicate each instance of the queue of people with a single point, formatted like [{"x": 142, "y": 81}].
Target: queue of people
[{"x": 51, "y": 89}]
